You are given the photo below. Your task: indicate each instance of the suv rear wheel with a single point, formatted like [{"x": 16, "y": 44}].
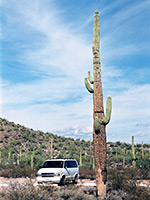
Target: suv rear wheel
[{"x": 75, "y": 180}]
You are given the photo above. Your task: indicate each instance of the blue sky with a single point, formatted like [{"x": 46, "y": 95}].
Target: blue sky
[{"x": 46, "y": 52}]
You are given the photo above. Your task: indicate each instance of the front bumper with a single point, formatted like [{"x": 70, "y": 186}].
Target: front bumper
[{"x": 55, "y": 179}]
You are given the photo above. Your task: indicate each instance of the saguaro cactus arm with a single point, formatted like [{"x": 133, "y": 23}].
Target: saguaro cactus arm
[
  {"x": 108, "y": 111},
  {"x": 90, "y": 77},
  {"x": 88, "y": 87}
]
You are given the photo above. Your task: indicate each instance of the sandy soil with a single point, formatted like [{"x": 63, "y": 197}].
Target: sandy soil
[{"x": 5, "y": 182}]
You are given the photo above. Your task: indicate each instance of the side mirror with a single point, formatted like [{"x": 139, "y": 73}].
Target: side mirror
[{"x": 40, "y": 167}]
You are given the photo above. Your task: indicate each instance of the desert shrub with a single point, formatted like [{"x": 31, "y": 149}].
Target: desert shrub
[
  {"x": 25, "y": 137},
  {"x": 117, "y": 179},
  {"x": 43, "y": 146},
  {"x": 25, "y": 191},
  {"x": 71, "y": 194},
  {"x": 143, "y": 163},
  {"x": 12, "y": 124},
  {"x": 125, "y": 181},
  {"x": 17, "y": 172},
  {"x": 34, "y": 135},
  {"x": 16, "y": 129},
  {"x": 38, "y": 151},
  {"x": 117, "y": 195},
  {"x": 87, "y": 174}
]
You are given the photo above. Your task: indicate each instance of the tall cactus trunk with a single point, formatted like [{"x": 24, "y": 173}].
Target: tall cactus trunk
[
  {"x": 98, "y": 112},
  {"x": 100, "y": 121}
]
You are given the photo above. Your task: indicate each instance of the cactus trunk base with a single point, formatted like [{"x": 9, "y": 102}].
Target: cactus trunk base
[
  {"x": 134, "y": 164},
  {"x": 101, "y": 186}
]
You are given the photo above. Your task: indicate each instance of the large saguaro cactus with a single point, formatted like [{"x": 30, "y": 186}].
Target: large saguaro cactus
[{"x": 100, "y": 120}]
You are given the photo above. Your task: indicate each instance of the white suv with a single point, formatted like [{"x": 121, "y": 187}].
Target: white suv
[{"x": 58, "y": 171}]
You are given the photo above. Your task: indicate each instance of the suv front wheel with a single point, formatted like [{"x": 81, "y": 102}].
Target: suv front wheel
[{"x": 62, "y": 181}]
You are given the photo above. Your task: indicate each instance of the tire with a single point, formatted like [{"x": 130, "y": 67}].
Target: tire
[
  {"x": 75, "y": 180},
  {"x": 62, "y": 181}
]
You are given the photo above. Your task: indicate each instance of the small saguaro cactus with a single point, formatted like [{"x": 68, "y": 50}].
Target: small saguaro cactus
[
  {"x": 51, "y": 148},
  {"x": 123, "y": 156},
  {"x": 32, "y": 160},
  {"x": 133, "y": 154},
  {"x": 9, "y": 154},
  {"x": 80, "y": 159},
  {"x": 90, "y": 154},
  {"x": 100, "y": 120},
  {"x": 18, "y": 160},
  {"x": 93, "y": 166},
  {"x": 0, "y": 157},
  {"x": 20, "y": 153},
  {"x": 142, "y": 151}
]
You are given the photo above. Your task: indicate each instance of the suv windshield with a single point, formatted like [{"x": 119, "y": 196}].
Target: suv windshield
[{"x": 53, "y": 164}]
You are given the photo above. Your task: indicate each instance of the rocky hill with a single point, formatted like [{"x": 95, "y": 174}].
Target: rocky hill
[{"x": 19, "y": 143}]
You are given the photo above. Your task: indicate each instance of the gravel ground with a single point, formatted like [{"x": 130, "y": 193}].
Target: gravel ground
[{"x": 5, "y": 182}]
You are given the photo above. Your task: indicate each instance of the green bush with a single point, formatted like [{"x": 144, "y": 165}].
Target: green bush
[{"x": 43, "y": 146}]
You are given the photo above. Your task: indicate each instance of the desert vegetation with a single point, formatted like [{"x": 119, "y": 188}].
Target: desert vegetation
[
  {"x": 121, "y": 185},
  {"x": 26, "y": 148},
  {"x": 23, "y": 150}
]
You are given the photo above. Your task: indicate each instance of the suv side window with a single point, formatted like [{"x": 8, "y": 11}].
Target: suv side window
[
  {"x": 71, "y": 164},
  {"x": 74, "y": 164},
  {"x": 66, "y": 164}
]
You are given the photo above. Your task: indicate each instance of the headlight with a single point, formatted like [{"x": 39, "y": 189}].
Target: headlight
[
  {"x": 38, "y": 174},
  {"x": 58, "y": 174}
]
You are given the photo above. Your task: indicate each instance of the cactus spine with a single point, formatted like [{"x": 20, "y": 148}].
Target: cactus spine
[
  {"x": 133, "y": 154},
  {"x": 100, "y": 121}
]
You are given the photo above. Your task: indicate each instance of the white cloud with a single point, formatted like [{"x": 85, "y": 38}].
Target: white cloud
[
  {"x": 61, "y": 59},
  {"x": 129, "y": 108}
]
